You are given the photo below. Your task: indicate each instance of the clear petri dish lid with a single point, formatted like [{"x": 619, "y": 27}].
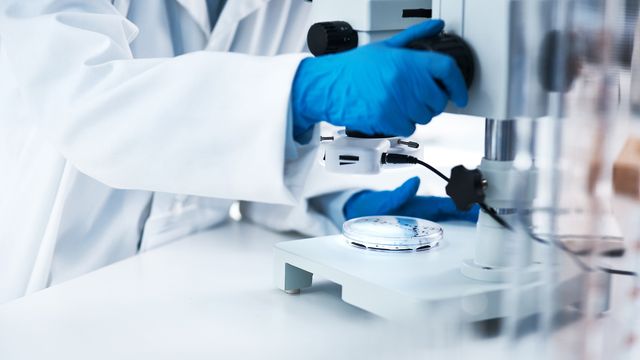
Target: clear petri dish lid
[{"x": 392, "y": 233}]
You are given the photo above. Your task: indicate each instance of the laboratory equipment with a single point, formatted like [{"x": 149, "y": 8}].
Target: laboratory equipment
[
  {"x": 362, "y": 155},
  {"x": 472, "y": 269}
]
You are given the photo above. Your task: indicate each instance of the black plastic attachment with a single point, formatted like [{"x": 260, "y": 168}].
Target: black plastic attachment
[
  {"x": 417, "y": 13},
  {"x": 454, "y": 46},
  {"x": 466, "y": 187},
  {"x": 331, "y": 37},
  {"x": 361, "y": 135}
]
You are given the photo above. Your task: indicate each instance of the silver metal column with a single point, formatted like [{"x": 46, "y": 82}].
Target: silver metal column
[{"x": 500, "y": 140}]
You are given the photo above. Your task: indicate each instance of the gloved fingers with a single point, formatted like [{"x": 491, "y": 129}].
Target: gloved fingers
[
  {"x": 403, "y": 193},
  {"x": 369, "y": 203},
  {"x": 444, "y": 69},
  {"x": 419, "y": 111},
  {"x": 403, "y": 121},
  {"x": 353, "y": 208},
  {"x": 424, "y": 117},
  {"x": 425, "y": 29},
  {"x": 432, "y": 96},
  {"x": 421, "y": 99},
  {"x": 437, "y": 209},
  {"x": 401, "y": 127}
]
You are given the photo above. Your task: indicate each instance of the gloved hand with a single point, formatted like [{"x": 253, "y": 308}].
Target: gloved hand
[
  {"x": 380, "y": 88},
  {"x": 404, "y": 202}
]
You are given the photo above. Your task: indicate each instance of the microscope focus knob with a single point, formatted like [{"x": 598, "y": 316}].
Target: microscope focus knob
[
  {"x": 454, "y": 46},
  {"x": 331, "y": 37},
  {"x": 466, "y": 187}
]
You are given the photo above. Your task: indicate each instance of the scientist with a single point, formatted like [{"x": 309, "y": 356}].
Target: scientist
[{"x": 126, "y": 124}]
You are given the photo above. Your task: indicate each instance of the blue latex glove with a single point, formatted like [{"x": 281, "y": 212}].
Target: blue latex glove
[
  {"x": 380, "y": 88},
  {"x": 403, "y": 201}
]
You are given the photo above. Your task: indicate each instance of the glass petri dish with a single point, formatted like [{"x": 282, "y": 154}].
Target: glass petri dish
[{"x": 392, "y": 233}]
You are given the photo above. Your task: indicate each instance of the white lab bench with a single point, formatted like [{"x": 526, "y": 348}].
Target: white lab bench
[{"x": 208, "y": 296}]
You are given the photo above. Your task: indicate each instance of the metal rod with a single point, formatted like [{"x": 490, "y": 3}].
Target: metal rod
[{"x": 499, "y": 140}]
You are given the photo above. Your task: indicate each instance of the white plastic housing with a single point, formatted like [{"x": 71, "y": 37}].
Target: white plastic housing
[
  {"x": 348, "y": 155},
  {"x": 487, "y": 25},
  {"x": 368, "y": 15},
  {"x": 354, "y": 156},
  {"x": 495, "y": 247},
  {"x": 492, "y": 31}
]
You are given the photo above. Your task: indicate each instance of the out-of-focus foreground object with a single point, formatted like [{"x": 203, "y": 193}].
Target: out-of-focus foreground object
[
  {"x": 626, "y": 171},
  {"x": 552, "y": 82}
]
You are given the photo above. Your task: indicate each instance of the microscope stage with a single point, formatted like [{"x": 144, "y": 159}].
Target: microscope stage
[{"x": 407, "y": 285}]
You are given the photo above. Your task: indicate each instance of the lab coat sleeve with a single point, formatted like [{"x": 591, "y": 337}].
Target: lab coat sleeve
[
  {"x": 205, "y": 123},
  {"x": 332, "y": 205},
  {"x": 314, "y": 215},
  {"x": 318, "y": 216}
]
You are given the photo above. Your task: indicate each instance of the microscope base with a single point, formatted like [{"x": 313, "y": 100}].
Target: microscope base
[{"x": 410, "y": 286}]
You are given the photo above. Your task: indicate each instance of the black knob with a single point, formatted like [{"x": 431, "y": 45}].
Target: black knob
[
  {"x": 331, "y": 37},
  {"x": 466, "y": 187},
  {"x": 454, "y": 46}
]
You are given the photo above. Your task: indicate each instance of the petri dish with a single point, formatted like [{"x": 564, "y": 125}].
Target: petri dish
[{"x": 392, "y": 233}]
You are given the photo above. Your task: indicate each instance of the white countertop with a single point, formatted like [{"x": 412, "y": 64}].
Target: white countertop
[
  {"x": 208, "y": 296},
  {"x": 211, "y": 296}
]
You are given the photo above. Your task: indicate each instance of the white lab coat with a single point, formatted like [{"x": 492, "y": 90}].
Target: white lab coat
[{"x": 94, "y": 143}]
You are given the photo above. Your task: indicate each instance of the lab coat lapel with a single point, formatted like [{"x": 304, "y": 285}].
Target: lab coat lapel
[
  {"x": 198, "y": 11},
  {"x": 122, "y": 6},
  {"x": 232, "y": 14}
]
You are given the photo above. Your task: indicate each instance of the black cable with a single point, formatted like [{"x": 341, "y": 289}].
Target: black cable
[
  {"x": 390, "y": 158},
  {"x": 618, "y": 272},
  {"x": 494, "y": 215},
  {"x": 575, "y": 256},
  {"x": 434, "y": 170}
]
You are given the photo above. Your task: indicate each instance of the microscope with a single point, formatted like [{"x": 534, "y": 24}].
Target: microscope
[{"x": 472, "y": 268}]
